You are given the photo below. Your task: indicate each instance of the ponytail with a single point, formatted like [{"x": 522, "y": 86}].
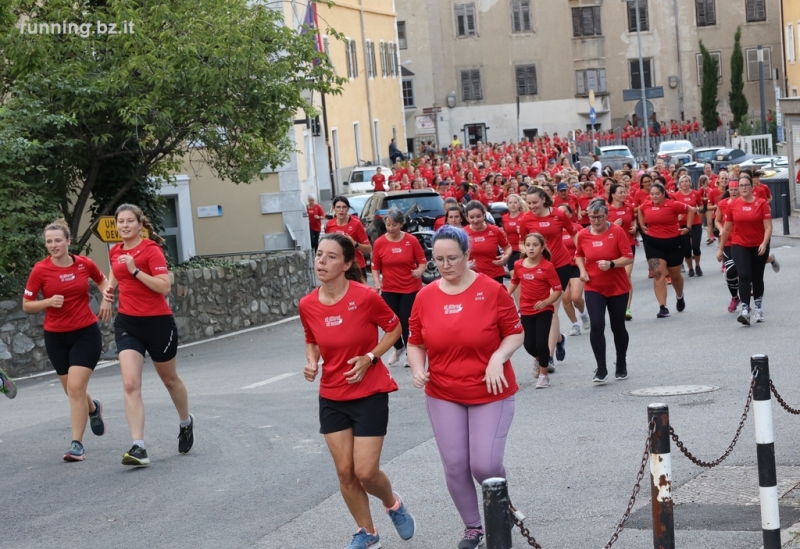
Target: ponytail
[
  {"x": 545, "y": 251},
  {"x": 143, "y": 219}
]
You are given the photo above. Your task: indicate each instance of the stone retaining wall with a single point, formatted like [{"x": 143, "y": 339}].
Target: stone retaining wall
[{"x": 206, "y": 302}]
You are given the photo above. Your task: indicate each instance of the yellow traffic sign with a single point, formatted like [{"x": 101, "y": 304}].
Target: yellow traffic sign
[
  {"x": 591, "y": 98},
  {"x": 105, "y": 228}
]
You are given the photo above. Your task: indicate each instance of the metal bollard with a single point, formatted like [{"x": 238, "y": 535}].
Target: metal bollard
[
  {"x": 661, "y": 478},
  {"x": 496, "y": 513},
  {"x": 765, "y": 449},
  {"x": 786, "y": 206}
]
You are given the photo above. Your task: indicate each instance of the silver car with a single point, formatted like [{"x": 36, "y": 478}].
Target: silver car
[{"x": 679, "y": 151}]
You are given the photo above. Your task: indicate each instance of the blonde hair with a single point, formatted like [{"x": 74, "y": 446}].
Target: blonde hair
[
  {"x": 523, "y": 206},
  {"x": 59, "y": 224}
]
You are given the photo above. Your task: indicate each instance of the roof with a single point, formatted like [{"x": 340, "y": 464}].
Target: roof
[{"x": 405, "y": 72}]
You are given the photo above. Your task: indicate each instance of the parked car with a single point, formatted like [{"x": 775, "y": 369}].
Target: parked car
[
  {"x": 360, "y": 180},
  {"x": 357, "y": 202},
  {"x": 705, "y": 155},
  {"x": 724, "y": 157},
  {"x": 781, "y": 162},
  {"x": 679, "y": 151},
  {"x": 616, "y": 156}
]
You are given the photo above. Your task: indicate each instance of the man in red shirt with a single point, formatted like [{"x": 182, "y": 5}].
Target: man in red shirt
[
  {"x": 378, "y": 180},
  {"x": 563, "y": 196}
]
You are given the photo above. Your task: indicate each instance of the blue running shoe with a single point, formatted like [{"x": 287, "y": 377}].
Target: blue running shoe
[
  {"x": 75, "y": 452},
  {"x": 96, "y": 420},
  {"x": 561, "y": 351},
  {"x": 402, "y": 520},
  {"x": 7, "y": 385},
  {"x": 363, "y": 540}
]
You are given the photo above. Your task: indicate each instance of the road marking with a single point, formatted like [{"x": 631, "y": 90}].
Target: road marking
[{"x": 270, "y": 380}]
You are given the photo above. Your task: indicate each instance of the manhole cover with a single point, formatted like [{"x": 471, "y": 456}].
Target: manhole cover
[{"x": 673, "y": 390}]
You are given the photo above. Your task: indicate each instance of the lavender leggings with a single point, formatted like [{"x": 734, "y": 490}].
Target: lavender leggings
[{"x": 471, "y": 440}]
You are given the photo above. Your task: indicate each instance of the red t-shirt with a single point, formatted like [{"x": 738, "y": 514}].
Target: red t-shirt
[
  {"x": 355, "y": 230},
  {"x": 663, "y": 221},
  {"x": 551, "y": 227},
  {"x": 378, "y": 181},
  {"x": 569, "y": 243},
  {"x": 723, "y": 208},
  {"x": 762, "y": 191},
  {"x": 439, "y": 223},
  {"x": 73, "y": 283},
  {"x": 713, "y": 196},
  {"x": 693, "y": 199},
  {"x": 346, "y": 330},
  {"x": 583, "y": 220},
  {"x": 396, "y": 260},
  {"x": 625, "y": 213},
  {"x": 510, "y": 228},
  {"x": 460, "y": 333},
  {"x": 483, "y": 249},
  {"x": 640, "y": 198},
  {"x": 535, "y": 284},
  {"x": 571, "y": 200},
  {"x": 136, "y": 299},
  {"x": 610, "y": 245},
  {"x": 748, "y": 218},
  {"x": 315, "y": 224}
]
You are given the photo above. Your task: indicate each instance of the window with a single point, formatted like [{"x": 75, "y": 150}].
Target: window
[
  {"x": 706, "y": 13},
  {"x": 643, "y": 19},
  {"x": 384, "y": 65},
  {"x": 526, "y": 79},
  {"x": 408, "y": 94},
  {"x": 716, "y": 55},
  {"x": 401, "y": 35},
  {"x": 369, "y": 59},
  {"x": 352, "y": 59},
  {"x": 326, "y": 48},
  {"x": 790, "y": 51},
  {"x": 590, "y": 79},
  {"x": 636, "y": 80},
  {"x": 586, "y": 21},
  {"x": 521, "y": 16},
  {"x": 391, "y": 60},
  {"x": 465, "y": 20},
  {"x": 471, "y": 85},
  {"x": 751, "y": 58},
  {"x": 755, "y": 10}
]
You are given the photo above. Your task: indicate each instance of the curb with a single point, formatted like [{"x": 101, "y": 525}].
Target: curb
[{"x": 790, "y": 538}]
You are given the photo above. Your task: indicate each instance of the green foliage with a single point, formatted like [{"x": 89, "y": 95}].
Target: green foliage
[
  {"x": 708, "y": 99},
  {"x": 736, "y": 96}
]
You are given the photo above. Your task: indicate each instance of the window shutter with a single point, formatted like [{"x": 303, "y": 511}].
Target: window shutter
[
  {"x": 601, "y": 74},
  {"x": 768, "y": 64},
  {"x": 383, "y": 59},
  {"x": 591, "y": 80},
  {"x": 752, "y": 64},
  {"x": 527, "y": 20},
  {"x": 588, "y": 22},
  {"x": 580, "y": 83},
  {"x": 598, "y": 30},
  {"x": 461, "y": 16},
  {"x": 648, "y": 73},
  {"x": 516, "y": 16},
  {"x": 355, "y": 58},
  {"x": 576, "y": 21},
  {"x": 466, "y": 86},
  {"x": 374, "y": 61},
  {"x": 471, "y": 19},
  {"x": 790, "y": 43},
  {"x": 348, "y": 57},
  {"x": 477, "y": 93},
  {"x": 699, "y": 69},
  {"x": 643, "y": 15},
  {"x": 531, "y": 79},
  {"x": 636, "y": 82},
  {"x": 711, "y": 12},
  {"x": 520, "y": 76}
]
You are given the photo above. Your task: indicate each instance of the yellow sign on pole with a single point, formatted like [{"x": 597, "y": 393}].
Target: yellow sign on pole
[
  {"x": 591, "y": 98},
  {"x": 105, "y": 228}
]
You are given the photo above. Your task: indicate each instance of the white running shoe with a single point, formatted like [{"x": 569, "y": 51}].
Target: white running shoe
[
  {"x": 758, "y": 316},
  {"x": 585, "y": 320},
  {"x": 394, "y": 357},
  {"x": 543, "y": 382},
  {"x": 744, "y": 316},
  {"x": 775, "y": 265},
  {"x": 575, "y": 330}
]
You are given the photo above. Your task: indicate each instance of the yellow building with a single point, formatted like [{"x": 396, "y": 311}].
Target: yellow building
[{"x": 789, "y": 115}]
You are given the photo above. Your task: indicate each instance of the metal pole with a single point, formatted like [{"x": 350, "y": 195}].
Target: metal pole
[
  {"x": 765, "y": 450},
  {"x": 680, "y": 66},
  {"x": 786, "y": 205},
  {"x": 641, "y": 82},
  {"x": 496, "y": 513},
  {"x": 661, "y": 478},
  {"x": 761, "y": 89}
]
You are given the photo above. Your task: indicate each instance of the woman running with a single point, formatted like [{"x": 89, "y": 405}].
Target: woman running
[
  {"x": 659, "y": 222},
  {"x": 752, "y": 218},
  {"x": 620, "y": 212},
  {"x": 484, "y": 242},
  {"x": 603, "y": 251},
  {"x": 539, "y": 289},
  {"x": 71, "y": 334},
  {"x": 510, "y": 220},
  {"x": 467, "y": 327},
  {"x": 144, "y": 324},
  {"x": 315, "y": 216},
  {"x": 729, "y": 267},
  {"x": 352, "y": 228},
  {"x": 572, "y": 297},
  {"x": 340, "y": 319},
  {"x": 691, "y": 240},
  {"x": 456, "y": 217},
  {"x": 398, "y": 262}
]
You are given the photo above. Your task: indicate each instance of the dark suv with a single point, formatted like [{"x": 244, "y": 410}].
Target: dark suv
[{"x": 422, "y": 208}]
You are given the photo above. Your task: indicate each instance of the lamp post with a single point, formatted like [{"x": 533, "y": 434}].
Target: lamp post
[{"x": 641, "y": 80}]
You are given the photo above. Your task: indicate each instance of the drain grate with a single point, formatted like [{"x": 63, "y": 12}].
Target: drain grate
[{"x": 673, "y": 390}]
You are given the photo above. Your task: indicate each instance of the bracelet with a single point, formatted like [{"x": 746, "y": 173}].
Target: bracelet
[{"x": 136, "y": 273}]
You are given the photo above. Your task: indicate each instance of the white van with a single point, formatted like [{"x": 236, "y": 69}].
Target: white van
[{"x": 360, "y": 180}]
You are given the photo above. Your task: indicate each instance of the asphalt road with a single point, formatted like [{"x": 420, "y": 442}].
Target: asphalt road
[{"x": 260, "y": 475}]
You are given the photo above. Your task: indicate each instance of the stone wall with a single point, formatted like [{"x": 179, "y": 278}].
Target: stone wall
[{"x": 206, "y": 302}]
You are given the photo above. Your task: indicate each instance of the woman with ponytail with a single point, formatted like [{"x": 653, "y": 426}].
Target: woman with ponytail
[
  {"x": 340, "y": 319},
  {"x": 144, "y": 324}
]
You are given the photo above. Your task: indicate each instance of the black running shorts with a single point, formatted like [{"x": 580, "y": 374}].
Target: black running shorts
[
  {"x": 667, "y": 249},
  {"x": 368, "y": 416},
  {"x": 76, "y": 348},
  {"x": 155, "y": 335}
]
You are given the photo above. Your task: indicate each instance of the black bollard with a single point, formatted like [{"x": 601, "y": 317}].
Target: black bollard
[
  {"x": 496, "y": 513},
  {"x": 786, "y": 209},
  {"x": 661, "y": 478},
  {"x": 765, "y": 450}
]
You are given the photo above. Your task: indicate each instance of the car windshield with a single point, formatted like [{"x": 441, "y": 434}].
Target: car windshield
[
  {"x": 357, "y": 203},
  {"x": 623, "y": 151},
  {"x": 706, "y": 156},
  {"x": 426, "y": 203},
  {"x": 669, "y": 146}
]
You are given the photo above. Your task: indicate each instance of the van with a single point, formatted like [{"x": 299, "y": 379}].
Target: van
[{"x": 360, "y": 180}]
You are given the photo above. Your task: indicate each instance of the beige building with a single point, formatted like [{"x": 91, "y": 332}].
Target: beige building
[
  {"x": 789, "y": 116},
  {"x": 495, "y": 66}
]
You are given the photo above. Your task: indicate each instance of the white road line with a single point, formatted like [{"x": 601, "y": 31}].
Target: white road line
[{"x": 268, "y": 381}]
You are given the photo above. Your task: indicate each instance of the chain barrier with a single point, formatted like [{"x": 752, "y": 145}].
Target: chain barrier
[
  {"x": 781, "y": 401},
  {"x": 518, "y": 517},
  {"x": 721, "y": 458}
]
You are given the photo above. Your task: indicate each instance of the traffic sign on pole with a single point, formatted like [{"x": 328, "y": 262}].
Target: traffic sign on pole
[{"x": 592, "y": 115}]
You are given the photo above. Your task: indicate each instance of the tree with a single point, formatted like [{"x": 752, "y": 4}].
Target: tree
[
  {"x": 708, "y": 99},
  {"x": 736, "y": 96},
  {"x": 187, "y": 78}
]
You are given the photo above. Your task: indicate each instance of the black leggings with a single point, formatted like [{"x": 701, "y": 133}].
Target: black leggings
[
  {"x": 690, "y": 242},
  {"x": 750, "y": 267},
  {"x": 314, "y": 241},
  {"x": 731, "y": 274},
  {"x": 537, "y": 333},
  {"x": 401, "y": 305},
  {"x": 597, "y": 304}
]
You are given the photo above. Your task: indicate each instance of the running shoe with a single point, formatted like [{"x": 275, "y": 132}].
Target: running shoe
[
  {"x": 7, "y": 385},
  {"x": 575, "y": 330},
  {"x": 473, "y": 537},
  {"x": 600, "y": 375},
  {"x": 186, "y": 437},
  {"x": 622, "y": 372},
  {"x": 75, "y": 452},
  {"x": 585, "y": 320},
  {"x": 668, "y": 279},
  {"x": 551, "y": 367},
  {"x": 663, "y": 312},
  {"x": 758, "y": 316},
  {"x": 543, "y": 382},
  {"x": 628, "y": 315},
  {"x": 710, "y": 241},
  {"x": 363, "y": 540},
  {"x": 136, "y": 456},
  {"x": 775, "y": 265},
  {"x": 691, "y": 273},
  {"x": 680, "y": 305},
  {"x": 403, "y": 522},
  {"x": 698, "y": 271},
  {"x": 96, "y": 420},
  {"x": 733, "y": 305},
  {"x": 393, "y": 358},
  {"x": 561, "y": 352},
  {"x": 744, "y": 316}
]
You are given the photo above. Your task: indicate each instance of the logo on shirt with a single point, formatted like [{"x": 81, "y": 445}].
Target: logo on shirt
[
  {"x": 28, "y": 293},
  {"x": 332, "y": 321},
  {"x": 69, "y": 277},
  {"x": 351, "y": 306},
  {"x": 81, "y": 267},
  {"x": 452, "y": 309},
  {"x": 528, "y": 276},
  {"x": 544, "y": 223},
  {"x": 397, "y": 250},
  {"x": 747, "y": 209},
  {"x": 597, "y": 244},
  {"x": 160, "y": 269},
  {"x": 479, "y": 296},
  {"x": 479, "y": 239}
]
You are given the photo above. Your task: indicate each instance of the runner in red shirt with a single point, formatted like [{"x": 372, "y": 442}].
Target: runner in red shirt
[
  {"x": 752, "y": 218},
  {"x": 484, "y": 242},
  {"x": 621, "y": 213},
  {"x": 728, "y": 266},
  {"x": 713, "y": 196},
  {"x": 564, "y": 197},
  {"x": 602, "y": 251},
  {"x": 583, "y": 202},
  {"x": 144, "y": 324},
  {"x": 315, "y": 216},
  {"x": 399, "y": 260},
  {"x": 467, "y": 327},
  {"x": 510, "y": 221},
  {"x": 691, "y": 240},
  {"x": 539, "y": 289},
  {"x": 340, "y": 319},
  {"x": 71, "y": 335},
  {"x": 351, "y": 227},
  {"x": 759, "y": 189},
  {"x": 378, "y": 180},
  {"x": 572, "y": 298}
]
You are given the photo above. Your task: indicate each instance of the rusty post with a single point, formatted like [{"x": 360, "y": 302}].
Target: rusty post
[
  {"x": 661, "y": 478},
  {"x": 496, "y": 513},
  {"x": 765, "y": 450}
]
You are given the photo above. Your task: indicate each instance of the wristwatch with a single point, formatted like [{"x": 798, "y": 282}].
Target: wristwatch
[
  {"x": 611, "y": 264},
  {"x": 372, "y": 358}
]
